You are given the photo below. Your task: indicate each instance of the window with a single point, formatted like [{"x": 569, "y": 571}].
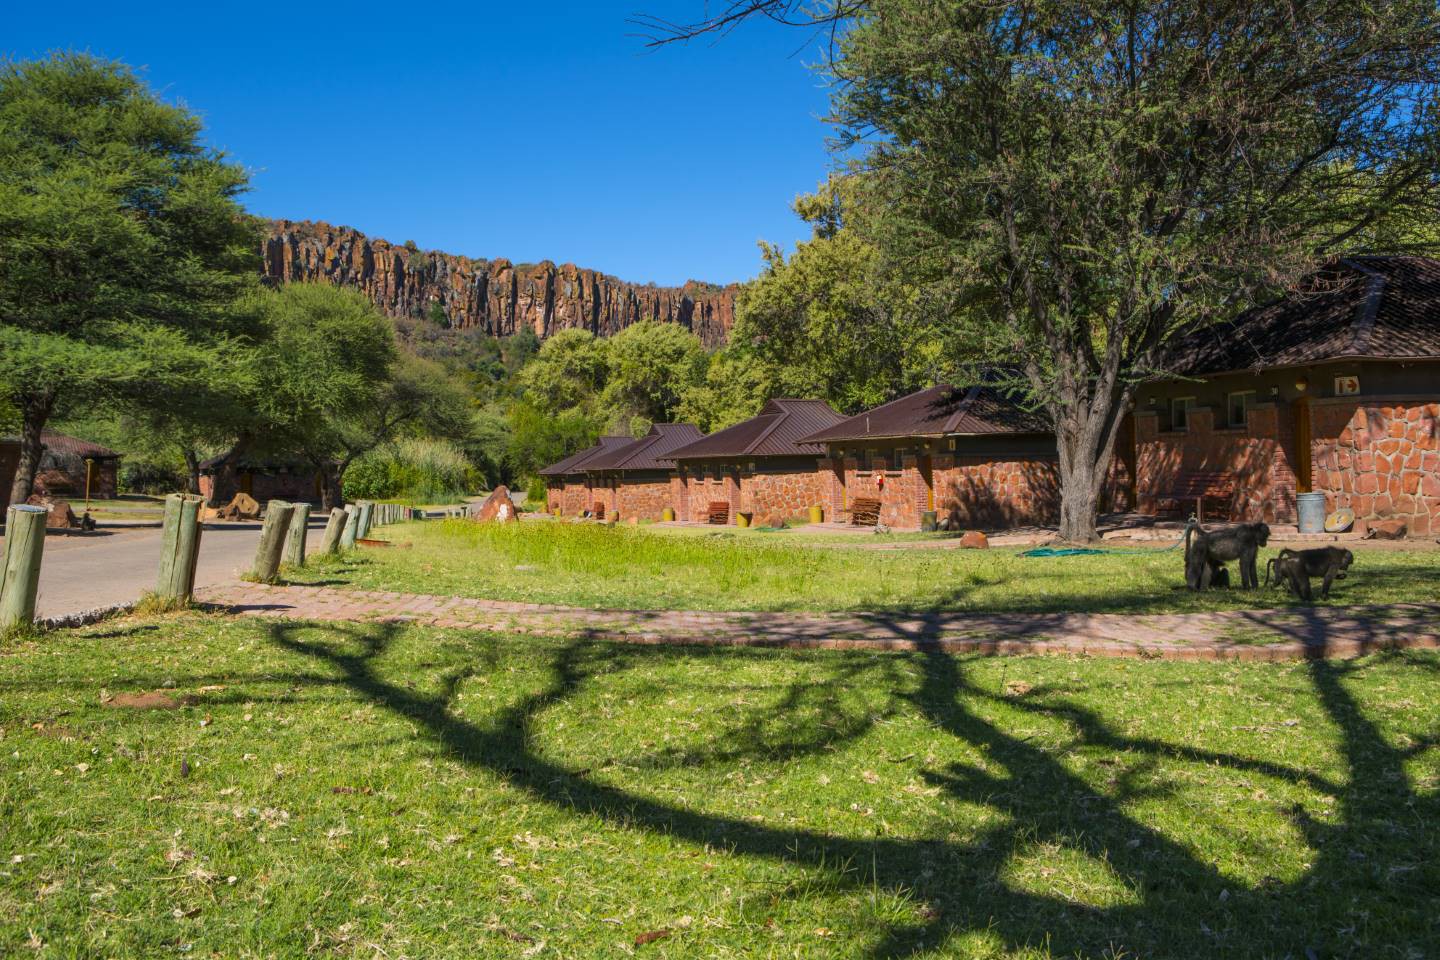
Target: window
[
  {"x": 1239, "y": 404},
  {"x": 1179, "y": 413}
]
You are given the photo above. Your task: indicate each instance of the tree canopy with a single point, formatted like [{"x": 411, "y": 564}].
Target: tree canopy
[{"x": 122, "y": 247}]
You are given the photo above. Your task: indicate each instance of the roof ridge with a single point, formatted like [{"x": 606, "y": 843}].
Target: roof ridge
[
  {"x": 962, "y": 408},
  {"x": 1369, "y": 309},
  {"x": 779, "y": 419}
]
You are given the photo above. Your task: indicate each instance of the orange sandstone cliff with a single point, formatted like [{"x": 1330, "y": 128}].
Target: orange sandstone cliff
[{"x": 495, "y": 295}]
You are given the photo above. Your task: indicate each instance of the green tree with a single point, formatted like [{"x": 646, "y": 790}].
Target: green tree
[
  {"x": 122, "y": 247},
  {"x": 331, "y": 383},
  {"x": 737, "y": 383},
  {"x": 1084, "y": 183},
  {"x": 568, "y": 371},
  {"x": 651, "y": 366}
]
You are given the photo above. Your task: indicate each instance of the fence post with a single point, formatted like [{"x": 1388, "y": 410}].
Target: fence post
[
  {"x": 179, "y": 548},
  {"x": 299, "y": 530},
  {"x": 272, "y": 541},
  {"x": 367, "y": 513},
  {"x": 352, "y": 527},
  {"x": 333, "y": 528},
  {"x": 20, "y": 570}
]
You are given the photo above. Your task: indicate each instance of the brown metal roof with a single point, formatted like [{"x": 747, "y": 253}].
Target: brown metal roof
[
  {"x": 647, "y": 452},
  {"x": 774, "y": 432},
  {"x": 62, "y": 445},
  {"x": 574, "y": 463},
  {"x": 1384, "y": 308},
  {"x": 938, "y": 411}
]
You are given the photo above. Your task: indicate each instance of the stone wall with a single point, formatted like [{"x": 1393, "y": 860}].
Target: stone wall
[
  {"x": 643, "y": 498},
  {"x": 1379, "y": 457},
  {"x": 1256, "y": 456},
  {"x": 497, "y": 296}
]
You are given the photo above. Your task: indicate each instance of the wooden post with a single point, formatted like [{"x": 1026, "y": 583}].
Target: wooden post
[
  {"x": 272, "y": 541},
  {"x": 20, "y": 571},
  {"x": 352, "y": 527},
  {"x": 299, "y": 529},
  {"x": 333, "y": 529},
  {"x": 367, "y": 513},
  {"x": 179, "y": 548}
]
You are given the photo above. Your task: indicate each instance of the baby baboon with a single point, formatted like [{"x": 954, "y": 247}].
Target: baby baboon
[
  {"x": 1212, "y": 549},
  {"x": 1294, "y": 568}
]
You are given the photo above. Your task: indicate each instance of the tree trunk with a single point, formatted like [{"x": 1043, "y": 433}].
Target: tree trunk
[
  {"x": 34, "y": 411},
  {"x": 192, "y": 469},
  {"x": 1085, "y": 439},
  {"x": 227, "y": 474},
  {"x": 332, "y": 493}
]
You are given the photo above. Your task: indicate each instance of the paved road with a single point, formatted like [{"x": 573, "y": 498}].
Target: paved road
[{"x": 109, "y": 567}]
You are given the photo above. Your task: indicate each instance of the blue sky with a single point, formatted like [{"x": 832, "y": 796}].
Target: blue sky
[{"x": 526, "y": 131}]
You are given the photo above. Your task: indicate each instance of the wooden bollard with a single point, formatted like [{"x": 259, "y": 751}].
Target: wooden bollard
[
  {"x": 272, "y": 541},
  {"x": 367, "y": 515},
  {"x": 299, "y": 529},
  {"x": 333, "y": 528},
  {"x": 179, "y": 548},
  {"x": 352, "y": 527},
  {"x": 20, "y": 569}
]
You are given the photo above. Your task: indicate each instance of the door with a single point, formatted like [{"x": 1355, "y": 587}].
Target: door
[{"x": 1301, "y": 410}]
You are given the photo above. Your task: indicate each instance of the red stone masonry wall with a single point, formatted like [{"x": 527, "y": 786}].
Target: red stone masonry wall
[
  {"x": 1254, "y": 455},
  {"x": 1379, "y": 457},
  {"x": 644, "y": 499},
  {"x": 781, "y": 495},
  {"x": 995, "y": 494}
]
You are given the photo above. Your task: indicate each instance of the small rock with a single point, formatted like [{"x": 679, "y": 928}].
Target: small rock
[
  {"x": 975, "y": 540},
  {"x": 1387, "y": 530}
]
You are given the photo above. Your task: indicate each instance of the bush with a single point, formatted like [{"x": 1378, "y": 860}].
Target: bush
[
  {"x": 414, "y": 469},
  {"x": 535, "y": 493},
  {"x": 145, "y": 476}
]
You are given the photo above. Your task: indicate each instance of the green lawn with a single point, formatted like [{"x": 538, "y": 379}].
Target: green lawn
[
  {"x": 622, "y": 567},
  {"x": 389, "y": 791}
]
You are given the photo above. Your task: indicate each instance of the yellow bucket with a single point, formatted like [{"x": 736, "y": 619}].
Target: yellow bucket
[
  {"x": 742, "y": 520},
  {"x": 668, "y": 514},
  {"x": 817, "y": 514}
]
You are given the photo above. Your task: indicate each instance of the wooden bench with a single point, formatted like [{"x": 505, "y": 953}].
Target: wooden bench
[
  {"x": 719, "y": 512},
  {"x": 864, "y": 512},
  {"x": 1209, "y": 492}
]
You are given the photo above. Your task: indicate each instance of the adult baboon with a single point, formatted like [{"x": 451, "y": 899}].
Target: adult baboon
[
  {"x": 1294, "y": 568},
  {"x": 1212, "y": 549}
]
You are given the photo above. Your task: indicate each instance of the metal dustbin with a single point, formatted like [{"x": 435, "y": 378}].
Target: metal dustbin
[
  {"x": 817, "y": 514},
  {"x": 1311, "y": 510},
  {"x": 928, "y": 521},
  {"x": 742, "y": 520},
  {"x": 667, "y": 515}
]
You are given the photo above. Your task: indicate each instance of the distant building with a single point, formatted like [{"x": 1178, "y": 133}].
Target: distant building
[
  {"x": 970, "y": 454},
  {"x": 758, "y": 466},
  {"x": 1335, "y": 389},
  {"x": 69, "y": 467},
  {"x": 621, "y": 475},
  {"x": 266, "y": 479}
]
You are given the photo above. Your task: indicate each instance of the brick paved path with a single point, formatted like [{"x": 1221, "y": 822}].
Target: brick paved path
[{"x": 1287, "y": 634}]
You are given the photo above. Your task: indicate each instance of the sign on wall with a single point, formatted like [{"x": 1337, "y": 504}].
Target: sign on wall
[{"x": 1347, "y": 386}]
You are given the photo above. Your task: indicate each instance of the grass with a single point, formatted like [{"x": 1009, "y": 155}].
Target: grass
[
  {"x": 623, "y": 567},
  {"x": 390, "y": 791}
]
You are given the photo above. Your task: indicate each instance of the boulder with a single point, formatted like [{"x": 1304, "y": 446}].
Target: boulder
[
  {"x": 241, "y": 507},
  {"x": 59, "y": 516},
  {"x": 1387, "y": 530},
  {"x": 975, "y": 540},
  {"x": 498, "y": 507}
]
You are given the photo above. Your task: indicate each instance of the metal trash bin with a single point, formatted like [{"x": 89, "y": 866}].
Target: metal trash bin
[{"x": 1310, "y": 508}]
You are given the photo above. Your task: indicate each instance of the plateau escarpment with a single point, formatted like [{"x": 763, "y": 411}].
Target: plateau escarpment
[{"x": 496, "y": 295}]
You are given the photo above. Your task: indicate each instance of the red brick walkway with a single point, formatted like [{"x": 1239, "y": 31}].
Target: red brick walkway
[{"x": 1235, "y": 635}]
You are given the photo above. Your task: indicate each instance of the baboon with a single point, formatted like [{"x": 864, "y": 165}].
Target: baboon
[
  {"x": 1294, "y": 568},
  {"x": 1212, "y": 549}
]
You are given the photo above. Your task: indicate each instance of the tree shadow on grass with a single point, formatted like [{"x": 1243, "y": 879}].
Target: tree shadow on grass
[{"x": 1175, "y": 903}]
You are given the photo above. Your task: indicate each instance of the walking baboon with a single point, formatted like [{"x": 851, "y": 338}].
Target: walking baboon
[
  {"x": 1212, "y": 549},
  {"x": 1294, "y": 568}
]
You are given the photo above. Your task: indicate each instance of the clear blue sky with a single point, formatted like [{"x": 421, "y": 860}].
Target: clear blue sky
[{"x": 529, "y": 131}]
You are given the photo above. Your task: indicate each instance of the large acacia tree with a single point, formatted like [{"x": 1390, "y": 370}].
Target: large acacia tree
[
  {"x": 122, "y": 247},
  {"x": 1090, "y": 181}
]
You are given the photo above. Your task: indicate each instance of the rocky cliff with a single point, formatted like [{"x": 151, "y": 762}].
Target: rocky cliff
[{"x": 496, "y": 295}]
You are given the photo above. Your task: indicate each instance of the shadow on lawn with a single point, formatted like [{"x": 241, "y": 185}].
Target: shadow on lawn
[{"x": 1180, "y": 904}]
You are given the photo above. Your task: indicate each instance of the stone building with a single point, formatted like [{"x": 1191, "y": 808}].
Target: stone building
[
  {"x": 757, "y": 466},
  {"x": 1333, "y": 389},
  {"x": 69, "y": 467},
  {"x": 620, "y": 475},
  {"x": 637, "y": 480},
  {"x": 265, "y": 479},
  {"x": 970, "y": 454}
]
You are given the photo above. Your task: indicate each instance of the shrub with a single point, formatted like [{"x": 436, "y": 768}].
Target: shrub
[
  {"x": 535, "y": 493},
  {"x": 416, "y": 469}
]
